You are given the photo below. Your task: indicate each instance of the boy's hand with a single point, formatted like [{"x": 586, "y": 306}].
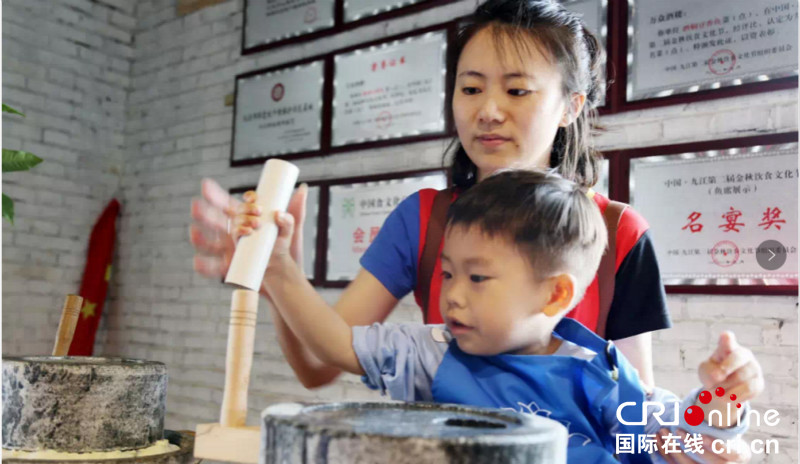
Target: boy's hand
[
  {"x": 249, "y": 217},
  {"x": 734, "y": 368}
]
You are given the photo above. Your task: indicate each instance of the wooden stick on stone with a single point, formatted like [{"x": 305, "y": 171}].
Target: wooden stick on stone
[
  {"x": 67, "y": 324},
  {"x": 239, "y": 357},
  {"x": 231, "y": 440}
]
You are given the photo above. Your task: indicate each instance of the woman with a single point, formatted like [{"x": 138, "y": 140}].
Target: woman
[{"x": 527, "y": 77}]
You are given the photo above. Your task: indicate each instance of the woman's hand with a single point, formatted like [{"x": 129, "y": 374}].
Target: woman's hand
[
  {"x": 220, "y": 220},
  {"x": 209, "y": 233}
]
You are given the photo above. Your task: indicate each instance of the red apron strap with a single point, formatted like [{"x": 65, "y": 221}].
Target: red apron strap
[
  {"x": 433, "y": 240},
  {"x": 607, "y": 271}
]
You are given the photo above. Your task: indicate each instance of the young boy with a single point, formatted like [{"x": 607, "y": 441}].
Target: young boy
[{"x": 520, "y": 249}]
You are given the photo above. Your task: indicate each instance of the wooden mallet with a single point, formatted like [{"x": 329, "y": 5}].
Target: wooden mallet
[
  {"x": 66, "y": 326},
  {"x": 230, "y": 439}
]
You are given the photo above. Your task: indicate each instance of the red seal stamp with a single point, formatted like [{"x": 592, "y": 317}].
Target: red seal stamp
[
  {"x": 722, "y": 62},
  {"x": 725, "y": 254},
  {"x": 278, "y": 92},
  {"x": 383, "y": 120},
  {"x": 311, "y": 15}
]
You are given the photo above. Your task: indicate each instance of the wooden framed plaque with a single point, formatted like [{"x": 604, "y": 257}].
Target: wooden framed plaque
[
  {"x": 357, "y": 211},
  {"x": 267, "y": 21},
  {"x": 686, "y": 46},
  {"x": 723, "y": 217},
  {"x": 395, "y": 90},
  {"x": 278, "y": 112}
]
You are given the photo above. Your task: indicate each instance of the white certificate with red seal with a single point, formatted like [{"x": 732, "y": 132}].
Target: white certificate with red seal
[
  {"x": 685, "y": 46},
  {"x": 278, "y": 113},
  {"x": 710, "y": 212},
  {"x": 356, "y": 214},
  {"x": 390, "y": 91},
  {"x": 273, "y": 20},
  {"x": 359, "y": 9}
]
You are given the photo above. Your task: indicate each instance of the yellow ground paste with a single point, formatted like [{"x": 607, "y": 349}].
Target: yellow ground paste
[{"x": 160, "y": 447}]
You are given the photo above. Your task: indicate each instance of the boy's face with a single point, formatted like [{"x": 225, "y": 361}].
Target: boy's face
[{"x": 491, "y": 298}]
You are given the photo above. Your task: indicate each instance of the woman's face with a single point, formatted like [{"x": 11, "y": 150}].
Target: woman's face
[{"x": 507, "y": 110}]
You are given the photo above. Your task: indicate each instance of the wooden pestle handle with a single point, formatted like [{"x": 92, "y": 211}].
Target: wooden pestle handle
[
  {"x": 239, "y": 357},
  {"x": 66, "y": 326}
]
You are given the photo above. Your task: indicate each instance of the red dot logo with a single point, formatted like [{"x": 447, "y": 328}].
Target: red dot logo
[
  {"x": 719, "y": 391},
  {"x": 733, "y": 397},
  {"x": 694, "y": 416},
  {"x": 705, "y": 397}
]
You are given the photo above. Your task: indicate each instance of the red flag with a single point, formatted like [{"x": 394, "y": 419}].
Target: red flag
[{"x": 96, "y": 275}]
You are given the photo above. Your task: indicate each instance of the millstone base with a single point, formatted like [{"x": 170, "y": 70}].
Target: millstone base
[
  {"x": 185, "y": 455},
  {"x": 407, "y": 433},
  {"x": 82, "y": 404}
]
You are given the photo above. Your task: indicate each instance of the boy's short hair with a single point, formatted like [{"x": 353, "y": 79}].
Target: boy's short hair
[{"x": 550, "y": 219}]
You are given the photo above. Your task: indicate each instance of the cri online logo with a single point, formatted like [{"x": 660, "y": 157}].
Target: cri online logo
[{"x": 693, "y": 415}]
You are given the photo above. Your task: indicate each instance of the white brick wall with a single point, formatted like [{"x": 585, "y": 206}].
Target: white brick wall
[
  {"x": 66, "y": 67},
  {"x": 164, "y": 126}
]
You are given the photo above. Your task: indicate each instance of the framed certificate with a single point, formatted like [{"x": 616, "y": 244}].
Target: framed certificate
[
  {"x": 267, "y": 21},
  {"x": 310, "y": 227},
  {"x": 395, "y": 90},
  {"x": 686, "y": 46},
  {"x": 278, "y": 113},
  {"x": 724, "y": 217},
  {"x": 356, "y": 213}
]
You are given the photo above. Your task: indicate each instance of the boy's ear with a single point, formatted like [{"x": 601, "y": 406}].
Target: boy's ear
[{"x": 562, "y": 290}]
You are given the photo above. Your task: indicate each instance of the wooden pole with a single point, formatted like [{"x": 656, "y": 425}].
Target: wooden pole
[
  {"x": 239, "y": 357},
  {"x": 66, "y": 326},
  {"x": 230, "y": 440}
]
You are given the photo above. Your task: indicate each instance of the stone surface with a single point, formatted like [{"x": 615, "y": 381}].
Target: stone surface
[
  {"x": 82, "y": 404},
  {"x": 185, "y": 455},
  {"x": 406, "y": 433}
]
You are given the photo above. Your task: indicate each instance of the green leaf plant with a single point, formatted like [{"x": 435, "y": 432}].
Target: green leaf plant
[{"x": 15, "y": 160}]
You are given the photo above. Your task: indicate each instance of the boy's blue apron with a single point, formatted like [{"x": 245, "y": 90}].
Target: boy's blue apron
[{"x": 564, "y": 388}]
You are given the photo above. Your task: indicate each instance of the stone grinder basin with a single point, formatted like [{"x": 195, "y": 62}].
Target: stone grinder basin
[{"x": 407, "y": 433}]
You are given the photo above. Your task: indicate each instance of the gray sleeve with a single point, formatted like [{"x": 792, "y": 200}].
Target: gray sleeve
[{"x": 399, "y": 358}]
